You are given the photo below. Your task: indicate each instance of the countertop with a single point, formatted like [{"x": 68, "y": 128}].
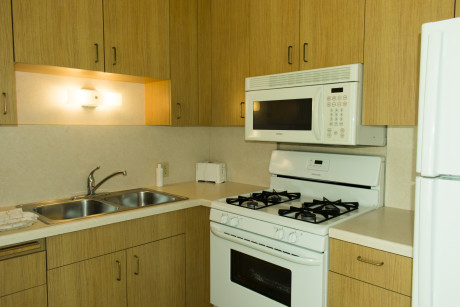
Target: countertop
[
  {"x": 388, "y": 229},
  {"x": 198, "y": 193}
]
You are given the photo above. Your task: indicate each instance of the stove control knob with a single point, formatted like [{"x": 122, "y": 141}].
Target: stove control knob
[
  {"x": 224, "y": 219},
  {"x": 234, "y": 221},
  {"x": 292, "y": 237},
  {"x": 279, "y": 234}
]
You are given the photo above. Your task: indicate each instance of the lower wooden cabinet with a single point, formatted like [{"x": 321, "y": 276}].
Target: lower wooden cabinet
[
  {"x": 360, "y": 276},
  {"x": 99, "y": 281},
  {"x": 34, "y": 297},
  {"x": 156, "y": 273},
  {"x": 152, "y": 274}
]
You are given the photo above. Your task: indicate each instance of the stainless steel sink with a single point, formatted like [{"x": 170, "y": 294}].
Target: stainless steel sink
[
  {"x": 73, "y": 209},
  {"x": 65, "y": 210},
  {"x": 140, "y": 198}
]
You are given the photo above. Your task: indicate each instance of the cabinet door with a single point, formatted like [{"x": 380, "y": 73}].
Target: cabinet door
[
  {"x": 230, "y": 61},
  {"x": 136, "y": 35},
  {"x": 59, "y": 33},
  {"x": 156, "y": 273},
  {"x": 331, "y": 33},
  {"x": 392, "y": 57},
  {"x": 8, "y": 101},
  {"x": 346, "y": 291},
  {"x": 98, "y": 282},
  {"x": 184, "y": 62},
  {"x": 274, "y": 36}
]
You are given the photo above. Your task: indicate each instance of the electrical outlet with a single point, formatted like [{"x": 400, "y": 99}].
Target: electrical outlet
[{"x": 165, "y": 166}]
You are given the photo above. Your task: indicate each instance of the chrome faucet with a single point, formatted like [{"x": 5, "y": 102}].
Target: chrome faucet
[{"x": 92, "y": 187}]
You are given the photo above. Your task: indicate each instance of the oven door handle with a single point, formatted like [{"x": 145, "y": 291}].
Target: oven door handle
[{"x": 298, "y": 260}]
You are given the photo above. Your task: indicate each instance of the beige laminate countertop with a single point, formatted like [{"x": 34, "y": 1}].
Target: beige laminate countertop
[
  {"x": 387, "y": 229},
  {"x": 198, "y": 193}
]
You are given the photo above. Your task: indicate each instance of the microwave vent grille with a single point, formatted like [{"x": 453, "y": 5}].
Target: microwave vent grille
[{"x": 339, "y": 74}]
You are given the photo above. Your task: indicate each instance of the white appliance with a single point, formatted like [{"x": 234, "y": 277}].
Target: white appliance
[
  {"x": 262, "y": 258},
  {"x": 436, "y": 271},
  {"x": 211, "y": 172},
  {"x": 318, "y": 106}
]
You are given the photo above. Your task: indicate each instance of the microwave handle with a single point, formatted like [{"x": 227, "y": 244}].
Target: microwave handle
[{"x": 318, "y": 115}]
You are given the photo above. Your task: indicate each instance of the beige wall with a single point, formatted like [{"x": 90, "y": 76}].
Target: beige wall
[{"x": 47, "y": 162}]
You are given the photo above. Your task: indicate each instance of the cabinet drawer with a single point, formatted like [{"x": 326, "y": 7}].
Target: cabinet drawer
[
  {"x": 35, "y": 297},
  {"x": 22, "y": 273},
  {"x": 346, "y": 291},
  {"x": 377, "y": 267}
]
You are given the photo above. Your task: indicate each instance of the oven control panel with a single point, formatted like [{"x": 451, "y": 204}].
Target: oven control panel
[{"x": 337, "y": 112}]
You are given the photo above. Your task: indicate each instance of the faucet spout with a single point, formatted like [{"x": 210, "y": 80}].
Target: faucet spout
[{"x": 92, "y": 187}]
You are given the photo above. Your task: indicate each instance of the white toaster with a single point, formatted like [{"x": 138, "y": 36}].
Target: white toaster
[{"x": 211, "y": 171}]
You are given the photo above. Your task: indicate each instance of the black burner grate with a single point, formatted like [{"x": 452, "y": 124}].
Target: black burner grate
[{"x": 262, "y": 199}]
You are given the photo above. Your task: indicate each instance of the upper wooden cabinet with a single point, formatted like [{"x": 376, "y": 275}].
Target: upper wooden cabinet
[
  {"x": 7, "y": 89},
  {"x": 184, "y": 62},
  {"x": 274, "y": 36},
  {"x": 331, "y": 33},
  {"x": 59, "y": 33},
  {"x": 136, "y": 35},
  {"x": 392, "y": 57},
  {"x": 72, "y": 34},
  {"x": 230, "y": 60}
]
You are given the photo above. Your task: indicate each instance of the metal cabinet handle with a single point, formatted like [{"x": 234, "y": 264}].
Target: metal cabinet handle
[
  {"x": 290, "y": 55},
  {"x": 370, "y": 261},
  {"x": 179, "y": 109},
  {"x": 137, "y": 265},
  {"x": 5, "y": 110},
  {"x": 97, "y": 53},
  {"x": 241, "y": 109},
  {"x": 114, "y": 56},
  {"x": 305, "y": 46},
  {"x": 119, "y": 270}
]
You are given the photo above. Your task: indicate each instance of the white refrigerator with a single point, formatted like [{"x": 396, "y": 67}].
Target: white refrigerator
[{"x": 436, "y": 270}]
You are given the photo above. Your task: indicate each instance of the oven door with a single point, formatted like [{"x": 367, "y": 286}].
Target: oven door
[
  {"x": 253, "y": 270},
  {"x": 285, "y": 115}
]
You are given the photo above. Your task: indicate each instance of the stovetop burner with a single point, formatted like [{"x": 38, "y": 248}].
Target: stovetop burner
[
  {"x": 319, "y": 211},
  {"x": 262, "y": 199}
]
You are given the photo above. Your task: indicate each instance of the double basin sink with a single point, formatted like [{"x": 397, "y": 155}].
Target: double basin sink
[{"x": 65, "y": 210}]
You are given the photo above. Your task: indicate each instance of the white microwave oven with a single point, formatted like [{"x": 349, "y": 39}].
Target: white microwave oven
[{"x": 318, "y": 106}]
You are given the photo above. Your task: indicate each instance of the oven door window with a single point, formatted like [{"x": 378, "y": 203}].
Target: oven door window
[
  {"x": 262, "y": 277},
  {"x": 289, "y": 114}
]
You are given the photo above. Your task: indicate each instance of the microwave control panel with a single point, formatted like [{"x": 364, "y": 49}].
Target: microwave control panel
[{"x": 337, "y": 105}]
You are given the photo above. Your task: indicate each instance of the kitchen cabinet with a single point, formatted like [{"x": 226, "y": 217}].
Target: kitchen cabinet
[
  {"x": 99, "y": 281},
  {"x": 378, "y": 278},
  {"x": 133, "y": 260},
  {"x": 457, "y": 9},
  {"x": 198, "y": 253},
  {"x": 274, "y": 36},
  {"x": 136, "y": 37},
  {"x": 331, "y": 33},
  {"x": 75, "y": 33},
  {"x": 7, "y": 88},
  {"x": 392, "y": 57},
  {"x": 161, "y": 266},
  {"x": 184, "y": 62},
  {"x": 59, "y": 33},
  {"x": 23, "y": 280},
  {"x": 230, "y": 60}
]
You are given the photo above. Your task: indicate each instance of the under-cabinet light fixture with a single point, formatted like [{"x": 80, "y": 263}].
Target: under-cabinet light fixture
[{"x": 93, "y": 98}]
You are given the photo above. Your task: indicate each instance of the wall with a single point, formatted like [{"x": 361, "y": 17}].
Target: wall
[{"x": 247, "y": 162}]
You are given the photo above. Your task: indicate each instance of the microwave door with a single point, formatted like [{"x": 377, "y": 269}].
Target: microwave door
[{"x": 284, "y": 115}]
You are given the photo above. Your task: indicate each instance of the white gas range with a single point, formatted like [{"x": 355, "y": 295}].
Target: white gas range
[{"x": 270, "y": 248}]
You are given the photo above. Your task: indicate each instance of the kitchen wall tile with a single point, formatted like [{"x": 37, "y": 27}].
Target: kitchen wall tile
[{"x": 47, "y": 162}]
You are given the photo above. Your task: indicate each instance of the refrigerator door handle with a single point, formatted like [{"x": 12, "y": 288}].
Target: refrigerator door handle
[{"x": 428, "y": 109}]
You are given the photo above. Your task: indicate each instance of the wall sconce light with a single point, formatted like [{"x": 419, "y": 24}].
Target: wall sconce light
[{"x": 93, "y": 98}]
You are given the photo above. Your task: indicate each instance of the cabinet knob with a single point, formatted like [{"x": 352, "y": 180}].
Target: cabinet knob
[
  {"x": 5, "y": 110},
  {"x": 290, "y": 55},
  {"x": 119, "y": 270},
  {"x": 114, "y": 56},
  {"x": 179, "y": 111},
  {"x": 136, "y": 272},
  {"x": 305, "y": 48},
  {"x": 242, "y": 109}
]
